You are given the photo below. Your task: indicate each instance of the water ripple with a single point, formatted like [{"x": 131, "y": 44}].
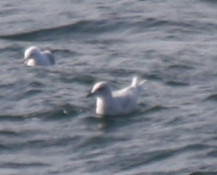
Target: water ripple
[{"x": 21, "y": 165}]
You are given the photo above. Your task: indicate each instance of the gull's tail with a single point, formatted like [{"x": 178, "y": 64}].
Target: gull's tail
[{"x": 137, "y": 83}]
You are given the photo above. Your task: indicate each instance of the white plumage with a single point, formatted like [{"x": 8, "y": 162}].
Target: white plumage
[
  {"x": 110, "y": 103},
  {"x": 33, "y": 56}
]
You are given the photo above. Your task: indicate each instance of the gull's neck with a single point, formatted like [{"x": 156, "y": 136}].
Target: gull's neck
[{"x": 104, "y": 103}]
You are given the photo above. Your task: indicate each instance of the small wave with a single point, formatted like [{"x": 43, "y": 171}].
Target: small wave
[
  {"x": 156, "y": 108},
  {"x": 155, "y": 22},
  {"x": 8, "y": 133},
  {"x": 37, "y": 143},
  {"x": 4, "y": 147},
  {"x": 59, "y": 112},
  {"x": 23, "y": 164},
  {"x": 204, "y": 173},
  {"x": 83, "y": 27},
  {"x": 194, "y": 147},
  {"x": 12, "y": 117},
  {"x": 136, "y": 160},
  {"x": 209, "y": 1},
  {"x": 31, "y": 92},
  {"x": 176, "y": 83},
  {"x": 182, "y": 25},
  {"x": 181, "y": 67},
  {"x": 86, "y": 27},
  {"x": 212, "y": 97}
]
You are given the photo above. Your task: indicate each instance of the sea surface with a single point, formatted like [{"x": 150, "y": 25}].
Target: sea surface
[{"x": 49, "y": 127}]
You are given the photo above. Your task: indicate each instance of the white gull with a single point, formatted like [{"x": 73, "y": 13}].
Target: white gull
[
  {"x": 123, "y": 101},
  {"x": 33, "y": 56}
]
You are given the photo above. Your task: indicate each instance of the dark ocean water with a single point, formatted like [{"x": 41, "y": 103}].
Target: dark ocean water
[{"x": 47, "y": 126}]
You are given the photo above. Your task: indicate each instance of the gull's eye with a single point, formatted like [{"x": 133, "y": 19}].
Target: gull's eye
[{"x": 100, "y": 88}]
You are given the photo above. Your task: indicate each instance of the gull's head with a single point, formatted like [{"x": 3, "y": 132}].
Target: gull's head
[
  {"x": 31, "y": 52},
  {"x": 100, "y": 89}
]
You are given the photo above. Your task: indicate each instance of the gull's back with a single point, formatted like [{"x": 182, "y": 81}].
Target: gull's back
[
  {"x": 49, "y": 57},
  {"x": 125, "y": 100}
]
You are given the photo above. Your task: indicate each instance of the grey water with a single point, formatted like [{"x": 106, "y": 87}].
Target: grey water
[{"x": 48, "y": 126}]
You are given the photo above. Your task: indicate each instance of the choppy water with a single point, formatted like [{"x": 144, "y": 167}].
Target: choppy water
[{"x": 47, "y": 126}]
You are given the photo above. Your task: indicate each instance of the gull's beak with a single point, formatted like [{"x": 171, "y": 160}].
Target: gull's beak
[
  {"x": 89, "y": 94},
  {"x": 24, "y": 60}
]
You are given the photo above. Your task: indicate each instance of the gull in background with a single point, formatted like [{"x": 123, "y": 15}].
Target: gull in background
[
  {"x": 120, "y": 102},
  {"x": 33, "y": 56}
]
